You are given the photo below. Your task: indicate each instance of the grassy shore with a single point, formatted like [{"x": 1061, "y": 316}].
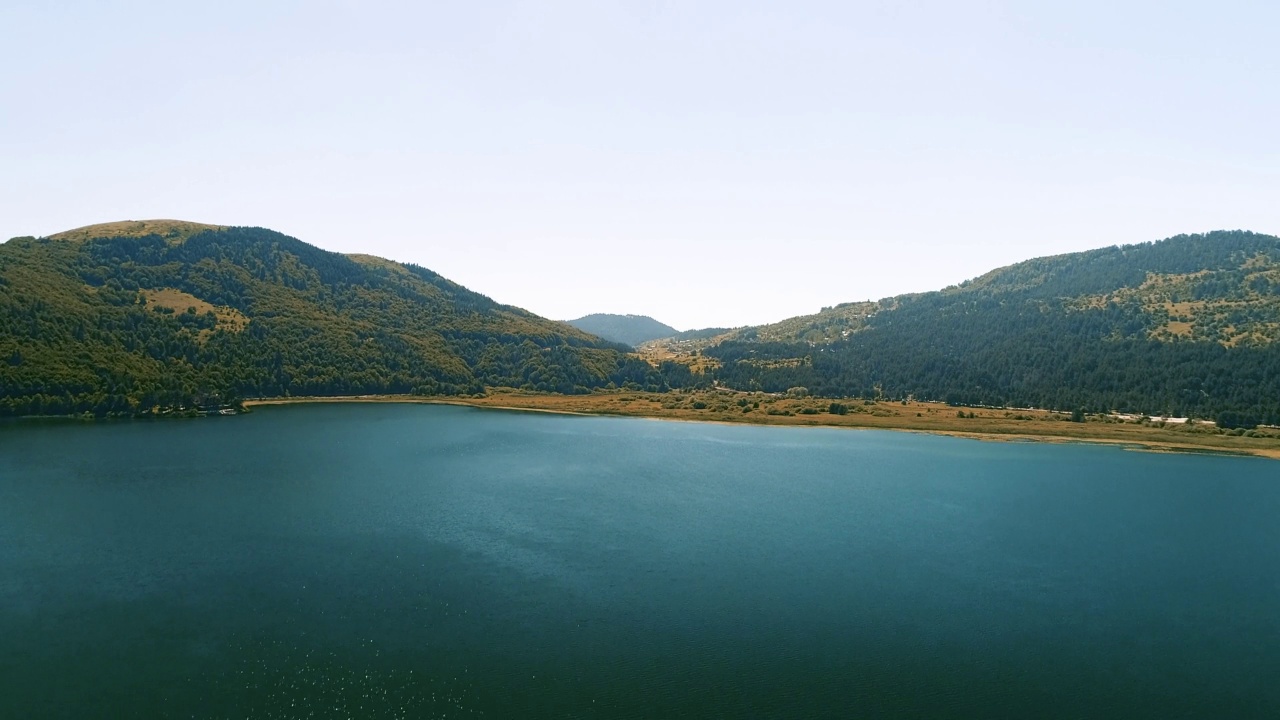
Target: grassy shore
[{"x": 763, "y": 409}]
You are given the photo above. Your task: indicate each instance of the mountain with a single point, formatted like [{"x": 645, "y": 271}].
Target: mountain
[
  {"x": 1187, "y": 326},
  {"x": 700, "y": 333},
  {"x": 139, "y": 317},
  {"x": 128, "y": 318},
  {"x": 626, "y": 329}
]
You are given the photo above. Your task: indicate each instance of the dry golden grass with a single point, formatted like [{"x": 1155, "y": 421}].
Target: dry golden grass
[
  {"x": 655, "y": 352},
  {"x": 175, "y": 230},
  {"x": 1186, "y": 307},
  {"x": 722, "y": 406},
  {"x": 374, "y": 261},
  {"x": 178, "y": 301}
]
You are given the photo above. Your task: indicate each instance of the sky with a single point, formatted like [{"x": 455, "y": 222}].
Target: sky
[{"x": 705, "y": 163}]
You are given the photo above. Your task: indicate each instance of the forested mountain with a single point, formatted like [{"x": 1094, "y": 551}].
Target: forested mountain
[
  {"x": 626, "y": 329},
  {"x": 128, "y": 318},
  {"x": 701, "y": 333},
  {"x": 1187, "y": 326},
  {"x": 138, "y": 317}
]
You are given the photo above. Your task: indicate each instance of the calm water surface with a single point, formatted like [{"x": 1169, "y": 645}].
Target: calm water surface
[{"x": 427, "y": 561}]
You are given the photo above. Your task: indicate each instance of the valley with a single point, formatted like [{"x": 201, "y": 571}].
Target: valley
[{"x": 140, "y": 318}]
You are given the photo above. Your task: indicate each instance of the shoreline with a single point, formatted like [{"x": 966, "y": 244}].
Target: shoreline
[{"x": 941, "y": 420}]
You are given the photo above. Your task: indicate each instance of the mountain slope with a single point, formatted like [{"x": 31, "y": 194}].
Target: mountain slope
[
  {"x": 626, "y": 329},
  {"x": 128, "y": 317},
  {"x": 1185, "y": 326}
]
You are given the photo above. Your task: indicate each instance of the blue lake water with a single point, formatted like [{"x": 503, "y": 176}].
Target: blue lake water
[{"x": 386, "y": 561}]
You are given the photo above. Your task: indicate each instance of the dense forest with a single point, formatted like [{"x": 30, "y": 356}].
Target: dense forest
[
  {"x": 150, "y": 317},
  {"x": 1184, "y": 327},
  {"x": 138, "y": 318}
]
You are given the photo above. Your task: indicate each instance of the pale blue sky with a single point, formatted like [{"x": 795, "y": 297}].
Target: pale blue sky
[{"x": 707, "y": 163}]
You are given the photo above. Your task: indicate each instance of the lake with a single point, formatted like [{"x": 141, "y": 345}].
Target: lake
[{"x": 386, "y": 561}]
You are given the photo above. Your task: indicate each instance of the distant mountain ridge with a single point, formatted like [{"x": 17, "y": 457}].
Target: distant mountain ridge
[
  {"x": 629, "y": 330},
  {"x": 126, "y": 318}
]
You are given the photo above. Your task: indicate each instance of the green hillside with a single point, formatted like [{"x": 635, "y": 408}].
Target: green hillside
[
  {"x": 829, "y": 325},
  {"x": 1187, "y": 326},
  {"x": 629, "y": 330},
  {"x": 135, "y": 317},
  {"x": 139, "y": 317}
]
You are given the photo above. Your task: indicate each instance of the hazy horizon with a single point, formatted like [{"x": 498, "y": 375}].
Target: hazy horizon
[{"x": 717, "y": 164}]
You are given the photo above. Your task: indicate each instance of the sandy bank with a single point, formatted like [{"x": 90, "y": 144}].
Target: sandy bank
[{"x": 932, "y": 418}]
